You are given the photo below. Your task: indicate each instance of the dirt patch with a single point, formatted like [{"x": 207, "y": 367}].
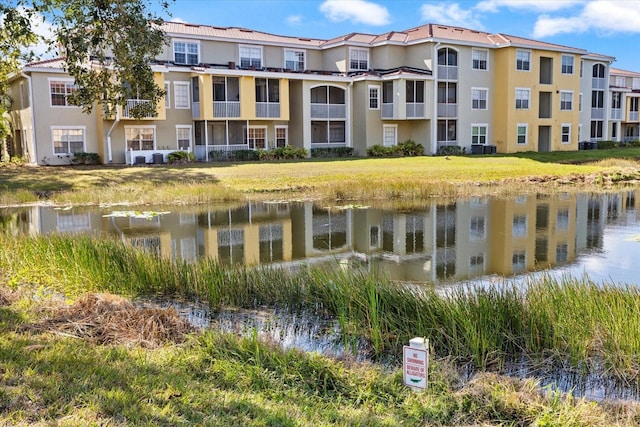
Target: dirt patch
[
  {"x": 109, "y": 319},
  {"x": 7, "y": 296}
]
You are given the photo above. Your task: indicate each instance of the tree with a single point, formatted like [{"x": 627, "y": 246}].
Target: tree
[{"x": 108, "y": 46}]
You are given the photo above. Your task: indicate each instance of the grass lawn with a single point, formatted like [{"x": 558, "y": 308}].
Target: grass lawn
[{"x": 344, "y": 179}]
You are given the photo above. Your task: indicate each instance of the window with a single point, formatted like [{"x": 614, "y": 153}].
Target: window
[
  {"x": 522, "y": 133},
  {"x": 566, "y": 133},
  {"x": 479, "y": 59},
  {"x": 633, "y": 105},
  {"x": 566, "y": 101},
  {"x": 562, "y": 253},
  {"x": 186, "y": 52},
  {"x": 519, "y": 261},
  {"x": 477, "y": 228},
  {"x": 181, "y": 95},
  {"x": 522, "y": 99},
  {"x": 616, "y": 100},
  {"x": 415, "y": 91},
  {"x": 562, "y": 222},
  {"x": 68, "y": 140},
  {"x": 183, "y": 137},
  {"x": 479, "y": 98},
  {"x": 167, "y": 94},
  {"x": 476, "y": 264},
  {"x": 598, "y": 71},
  {"x": 519, "y": 228},
  {"x": 448, "y": 56},
  {"x": 226, "y": 88},
  {"x": 60, "y": 90},
  {"x": 620, "y": 81},
  {"x": 294, "y": 60},
  {"x": 250, "y": 57},
  {"x": 140, "y": 137},
  {"x": 256, "y": 137},
  {"x": 597, "y": 99},
  {"x": 567, "y": 64},
  {"x": 523, "y": 60},
  {"x": 358, "y": 59},
  {"x": 479, "y": 134},
  {"x": 282, "y": 136},
  {"x": 374, "y": 97},
  {"x": 389, "y": 135},
  {"x": 447, "y": 131},
  {"x": 596, "y": 129},
  {"x": 267, "y": 90}
]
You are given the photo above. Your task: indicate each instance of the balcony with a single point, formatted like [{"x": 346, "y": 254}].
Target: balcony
[
  {"x": 447, "y": 110},
  {"x": 132, "y": 104},
  {"x": 597, "y": 113},
  {"x": 616, "y": 114},
  {"x": 387, "y": 110},
  {"x": 597, "y": 83},
  {"x": 328, "y": 111},
  {"x": 447, "y": 72},
  {"x": 226, "y": 109},
  {"x": 633, "y": 116},
  {"x": 415, "y": 110},
  {"x": 268, "y": 109}
]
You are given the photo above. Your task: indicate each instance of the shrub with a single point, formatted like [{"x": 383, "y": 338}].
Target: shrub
[
  {"x": 328, "y": 152},
  {"x": 410, "y": 148},
  {"x": 82, "y": 158},
  {"x": 451, "y": 150},
  {"x": 605, "y": 145},
  {"x": 283, "y": 153},
  {"x": 234, "y": 156},
  {"x": 381, "y": 151},
  {"x": 180, "y": 157}
]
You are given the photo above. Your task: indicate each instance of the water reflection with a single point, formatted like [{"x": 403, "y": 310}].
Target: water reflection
[{"x": 462, "y": 241}]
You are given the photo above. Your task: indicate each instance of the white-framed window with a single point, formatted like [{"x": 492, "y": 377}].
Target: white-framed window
[
  {"x": 519, "y": 261},
  {"x": 140, "y": 137},
  {"x": 476, "y": 264},
  {"x": 477, "y": 227},
  {"x": 183, "y": 137},
  {"x": 562, "y": 253},
  {"x": 294, "y": 59},
  {"x": 479, "y": 98},
  {"x": 282, "y": 135},
  {"x": 479, "y": 133},
  {"x": 256, "y": 137},
  {"x": 186, "y": 52},
  {"x": 374, "y": 97},
  {"x": 60, "y": 90},
  {"x": 479, "y": 59},
  {"x": 519, "y": 228},
  {"x": 616, "y": 100},
  {"x": 523, "y": 60},
  {"x": 620, "y": 81},
  {"x": 522, "y": 98},
  {"x": 358, "y": 59},
  {"x": 566, "y": 100},
  {"x": 181, "y": 98},
  {"x": 167, "y": 95},
  {"x": 566, "y": 133},
  {"x": 562, "y": 221},
  {"x": 68, "y": 139},
  {"x": 567, "y": 64},
  {"x": 251, "y": 56},
  {"x": 522, "y": 133},
  {"x": 389, "y": 135}
]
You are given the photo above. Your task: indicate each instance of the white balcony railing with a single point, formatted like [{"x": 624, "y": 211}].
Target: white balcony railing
[
  {"x": 328, "y": 111},
  {"x": 597, "y": 83},
  {"x": 133, "y": 103},
  {"x": 415, "y": 110},
  {"x": 633, "y": 116},
  {"x": 229, "y": 109},
  {"x": 616, "y": 114},
  {"x": 447, "y": 110},
  {"x": 597, "y": 113},
  {"x": 268, "y": 109},
  {"x": 387, "y": 110},
  {"x": 447, "y": 72}
]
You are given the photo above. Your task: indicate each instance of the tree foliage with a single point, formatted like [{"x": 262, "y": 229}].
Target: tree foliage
[{"x": 107, "y": 45}]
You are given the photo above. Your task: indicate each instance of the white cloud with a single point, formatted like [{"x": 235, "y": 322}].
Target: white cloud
[
  {"x": 604, "y": 16},
  {"x": 45, "y": 49},
  {"x": 294, "y": 20},
  {"x": 537, "y": 6},
  {"x": 356, "y": 11},
  {"x": 450, "y": 14},
  {"x": 177, "y": 19}
]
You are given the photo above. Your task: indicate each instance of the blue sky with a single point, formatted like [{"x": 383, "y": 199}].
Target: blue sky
[{"x": 607, "y": 27}]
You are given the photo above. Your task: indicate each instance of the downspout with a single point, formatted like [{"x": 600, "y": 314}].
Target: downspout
[
  {"x": 349, "y": 115},
  {"x": 33, "y": 118},
  {"x": 109, "y": 132},
  {"x": 434, "y": 123}
]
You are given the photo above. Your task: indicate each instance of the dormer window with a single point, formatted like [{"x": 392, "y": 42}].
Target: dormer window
[
  {"x": 250, "y": 56},
  {"x": 294, "y": 60},
  {"x": 358, "y": 59},
  {"x": 185, "y": 52}
]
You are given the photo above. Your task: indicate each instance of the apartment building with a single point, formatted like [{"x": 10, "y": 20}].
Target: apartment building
[{"x": 240, "y": 89}]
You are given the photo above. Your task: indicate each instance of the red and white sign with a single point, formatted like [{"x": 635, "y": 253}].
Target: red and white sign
[{"x": 415, "y": 366}]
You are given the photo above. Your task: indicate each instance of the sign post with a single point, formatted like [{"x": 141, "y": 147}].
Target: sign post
[{"x": 415, "y": 363}]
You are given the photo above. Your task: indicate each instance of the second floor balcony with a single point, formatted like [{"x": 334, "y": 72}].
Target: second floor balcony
[
  {"x": 413, "y": 110},
  {"x": 328, "y": 111},
  {"x": 633, "y": 116},
  {"x": 597, "y": 113},
  {"x": 616, "y": 113},
  {"x": 227, "y": 109},
  {"x": 268, "y": 109},
  {"x": 447, "y": 110},
  {"x": 129, "y": 110}
]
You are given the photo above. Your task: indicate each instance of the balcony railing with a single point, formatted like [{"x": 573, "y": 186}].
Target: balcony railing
[
  {"x": 415, "y": 110},
  {"x": 229, "y": 109},
  {"x": 597, "y": 113},
  {"x": 597, "y": 83},
  {"x": 387, "y": 110},
  {"x": 616, "y": 114},
  {"x": 447, "y": 110},
  {"x": 447, "y": 72},
  {"x": 195, "y": 110},
  {"x": 132, "y": 104},
  {"x": 268, "y": 109},
  {"x": 633, "y": 116},
  {"x": 328, "y": 111}
]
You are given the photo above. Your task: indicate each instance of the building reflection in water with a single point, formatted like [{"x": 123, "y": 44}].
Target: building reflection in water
[{"x": 458, "y": 241}]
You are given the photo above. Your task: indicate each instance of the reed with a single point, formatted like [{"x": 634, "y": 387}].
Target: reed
[{"x": 570, "y": 320}]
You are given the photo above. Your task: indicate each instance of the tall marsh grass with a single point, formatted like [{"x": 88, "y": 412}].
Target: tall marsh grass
[{"x": 570, "y": 320}]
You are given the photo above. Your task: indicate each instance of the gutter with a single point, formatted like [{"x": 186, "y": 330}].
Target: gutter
[
  {"x": 33, "y": 119},
  {"x": 109, "y": 132}
]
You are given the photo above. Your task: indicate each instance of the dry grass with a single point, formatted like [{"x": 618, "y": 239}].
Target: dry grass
[{"x": 110, "y": 319}]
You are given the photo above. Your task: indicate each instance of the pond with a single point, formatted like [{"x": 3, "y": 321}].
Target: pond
[{"x": 474, "y": 240}]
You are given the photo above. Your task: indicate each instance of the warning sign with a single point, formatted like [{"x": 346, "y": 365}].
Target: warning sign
[{"x": 415, "y": 367}]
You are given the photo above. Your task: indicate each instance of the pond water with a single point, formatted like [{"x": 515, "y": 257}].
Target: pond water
[{"x": 474, "y": 240}]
